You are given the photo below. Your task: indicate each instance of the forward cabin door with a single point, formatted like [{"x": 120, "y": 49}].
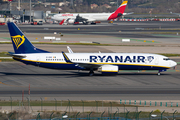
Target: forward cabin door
[{"x": 156, "y": 60}]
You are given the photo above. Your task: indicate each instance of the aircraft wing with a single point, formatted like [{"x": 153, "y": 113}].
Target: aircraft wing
[
  {"x": 82, "y": 19},
  {"x": 105, "y": 69},
  {"x": 82, "y": 65},
  {"x": 128, "y": 13},
  {"x": 76, "y": 19},
  {"x": 88, "y": 66},
  {"x": 89, "y": 19}
]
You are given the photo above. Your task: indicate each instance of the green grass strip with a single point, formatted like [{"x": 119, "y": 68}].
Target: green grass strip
[
  {"x": 4, "y": 54},
  {"x": 95, "y": 44},
  {"x": 7, "y": 60},
  {"x": 7, "y": 38},
  {"x": 145, "y": 41},
  {"x": 136, "y": 40},
  {"x": 175, "y": 36},
  {"x": 5, "y": 42},
  {"x": 169, "y": 54},
  {"x": 63, "y": 103}
]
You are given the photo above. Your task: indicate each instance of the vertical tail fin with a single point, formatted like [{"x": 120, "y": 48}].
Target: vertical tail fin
[
  {"x": 20, "y": 43},
  {"x": 62, "y": 22},
  {"x": 119, "y": 12}
]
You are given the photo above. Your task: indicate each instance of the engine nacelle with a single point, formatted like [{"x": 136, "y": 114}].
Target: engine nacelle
[
  {"x": 108, "y": 69},
  {"x": 71, "y": 20}
]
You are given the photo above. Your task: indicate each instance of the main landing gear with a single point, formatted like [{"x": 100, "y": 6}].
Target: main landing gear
[
  {"x": 159, "y": 73},
  {"x": 93, "y": 23},
  {"x": 91, "y": 73}
]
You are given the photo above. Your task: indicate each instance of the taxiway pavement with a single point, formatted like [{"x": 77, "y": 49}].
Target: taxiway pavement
[
  {"x": 74, "y": 85},
  {"x": 15, "y": 77},
  {"x": 163, "y": 32}
]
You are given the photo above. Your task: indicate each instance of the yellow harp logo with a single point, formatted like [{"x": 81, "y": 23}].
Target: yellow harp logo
[{"x": 18, "y": 40}]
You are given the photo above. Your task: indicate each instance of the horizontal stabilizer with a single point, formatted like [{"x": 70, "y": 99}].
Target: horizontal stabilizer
[
  {"x": 16, "y": 55},
  {"x": 128, "y": 13}
]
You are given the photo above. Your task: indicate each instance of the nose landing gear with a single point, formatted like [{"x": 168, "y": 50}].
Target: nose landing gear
[{"x": 159, "y": 72}]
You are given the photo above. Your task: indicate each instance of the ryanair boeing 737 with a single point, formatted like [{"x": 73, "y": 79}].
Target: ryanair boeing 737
[{"x": 107, "y": 63}]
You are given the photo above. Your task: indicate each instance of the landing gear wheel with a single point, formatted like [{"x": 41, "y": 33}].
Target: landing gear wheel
[
  {"x": 91, "y": 73},
  {"x": 159, "y": 73},
  {"x": 93, "y": 23}
]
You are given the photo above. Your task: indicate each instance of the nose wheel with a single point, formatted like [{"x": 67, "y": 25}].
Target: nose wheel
[{"x": 159, "y": 73}]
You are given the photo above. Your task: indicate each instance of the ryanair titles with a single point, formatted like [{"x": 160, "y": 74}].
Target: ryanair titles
[{"x": 115, "y": 59}]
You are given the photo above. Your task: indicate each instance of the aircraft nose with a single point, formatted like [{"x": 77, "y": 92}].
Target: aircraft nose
[
  {"x": 173, "y": 63},
  {"x": 52, "y": 17}
]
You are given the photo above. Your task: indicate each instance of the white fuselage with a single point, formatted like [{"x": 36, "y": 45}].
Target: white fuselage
[
  {"x": 89, "y": 16},
  {"x": 125, "y": 61}
]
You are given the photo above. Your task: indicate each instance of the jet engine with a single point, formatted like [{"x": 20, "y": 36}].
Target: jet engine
[
  {"x": 71, "y": 20},
  {"x": 108, "y": 69}
]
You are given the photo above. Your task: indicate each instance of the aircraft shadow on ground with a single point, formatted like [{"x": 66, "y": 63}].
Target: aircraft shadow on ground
[{"x": 78, "y": 74}]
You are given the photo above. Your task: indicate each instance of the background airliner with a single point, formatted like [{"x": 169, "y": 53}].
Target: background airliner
[
  {"x": 107, "y": 63},
  {"x": 85, "y": 18}
]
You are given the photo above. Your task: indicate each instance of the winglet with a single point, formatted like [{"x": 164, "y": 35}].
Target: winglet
[
  {"x": 69, "y": 49},
  {"x": 66, "y": 58},
  {"x": 62, "y": 22}
]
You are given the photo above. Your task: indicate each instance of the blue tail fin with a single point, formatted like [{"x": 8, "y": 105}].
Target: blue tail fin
[{"x": 20, "y": 43}]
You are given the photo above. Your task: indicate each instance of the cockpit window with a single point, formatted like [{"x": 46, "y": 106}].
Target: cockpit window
[{"x": 166, "y": 59}]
